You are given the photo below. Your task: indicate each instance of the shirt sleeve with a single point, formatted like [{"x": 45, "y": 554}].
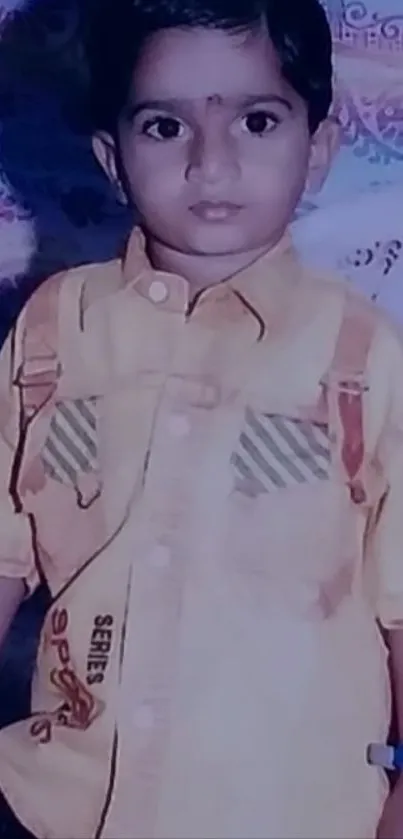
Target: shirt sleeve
[
  {"x": 384, "y": 544},
  {"x": 16, "y": 548}
]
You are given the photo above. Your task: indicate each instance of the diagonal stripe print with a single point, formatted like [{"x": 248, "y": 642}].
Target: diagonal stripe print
[
  {"x": 52, "y": 467},
  {"x": 246, "y": 472},
  {"x": 278, "y": 452},
  {"x": 321, "y": 461},
  {"x": 303, "y": 454},
  {"x": 304, "y": 472},
  {"x": 64, "y": 465},
  {"x": 60, "y": 424},
  {"x": 317, "y": 439},
  {"x": 262, "y": 431},
  {"x": 260, "y": 462},
  {"x": 68, "y": 443},
  {"x": 86, "y": 412},
  {"x": 303, "y": 469},
  {"x": 71, "y": 445},
  {"x": 81, "y": 430}
]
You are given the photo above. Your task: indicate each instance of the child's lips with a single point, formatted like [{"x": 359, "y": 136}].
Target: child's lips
[{"x": 215, "y": 210}]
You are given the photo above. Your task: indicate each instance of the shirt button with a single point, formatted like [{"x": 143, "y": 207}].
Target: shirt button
[
  {"x": 179, "y": 425},
  {"x": 144, "y": 717},
  {"x": 158, "y": 291},
  {"x": 160, "y": 556}
]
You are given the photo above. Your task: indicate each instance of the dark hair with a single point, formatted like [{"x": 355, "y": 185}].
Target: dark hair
[{"x": 114, "y": 32}]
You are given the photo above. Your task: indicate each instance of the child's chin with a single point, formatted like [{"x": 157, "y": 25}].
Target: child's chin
[{"x": 217, "y": 239}]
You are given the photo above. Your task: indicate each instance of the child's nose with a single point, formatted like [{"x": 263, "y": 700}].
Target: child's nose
[{"x": 213, "y": 158}]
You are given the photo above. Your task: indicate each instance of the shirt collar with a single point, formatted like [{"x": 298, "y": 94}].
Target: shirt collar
[{"x": 257, "y": 291}]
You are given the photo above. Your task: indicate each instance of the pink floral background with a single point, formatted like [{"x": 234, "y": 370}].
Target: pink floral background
[
  {"x": 356, "y": 224},
  {"x": 56, "y": 210},
  {"x": 368, "y": 38}
]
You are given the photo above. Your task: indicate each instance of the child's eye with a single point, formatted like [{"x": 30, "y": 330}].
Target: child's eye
[
  {"x": 259, "y": 122},
  {"x": 163, "y": 128}
]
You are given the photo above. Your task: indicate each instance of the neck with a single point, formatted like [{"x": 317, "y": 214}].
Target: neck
[{"x": 201, "y": 270}]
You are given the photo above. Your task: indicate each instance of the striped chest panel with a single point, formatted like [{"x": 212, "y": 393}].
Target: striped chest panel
[
  {"x": 276, "y": 452},
  {"x": 71, "y": 447}
]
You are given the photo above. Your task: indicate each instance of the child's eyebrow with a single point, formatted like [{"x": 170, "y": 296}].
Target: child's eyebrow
[
  {"x": 170, "y": 105},
  {"x": 176, "y": 105},
  {"x": 266, "y": 99}
]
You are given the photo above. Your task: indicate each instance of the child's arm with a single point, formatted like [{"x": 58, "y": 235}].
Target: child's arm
[
  {"x": 17, "y": 564},
  {"x": 391, "y": 826},
  {"x": 395, "y": 643},
  {"x": 384, "y": 560},
  {"x": 12, "y": 592}
]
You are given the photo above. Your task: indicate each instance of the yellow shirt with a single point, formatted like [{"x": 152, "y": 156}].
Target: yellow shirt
[{"x": 250, "y": 671}]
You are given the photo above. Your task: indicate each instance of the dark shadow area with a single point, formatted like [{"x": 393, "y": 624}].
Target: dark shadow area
[
  {"x": 17, "y": 663},
  {"x": 45, "y": 149},
  {"x": 45, "y": 156},
  {"x": 17, "y": 660}
]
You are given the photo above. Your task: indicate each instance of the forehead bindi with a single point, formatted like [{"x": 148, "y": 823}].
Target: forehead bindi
[{"x": 215, "y": 99}]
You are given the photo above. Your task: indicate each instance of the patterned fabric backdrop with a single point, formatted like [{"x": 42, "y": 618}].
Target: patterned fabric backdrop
[
  {"x": 357, "y": 225},
  {"x": 368, "y": 38},
  {"x": 56, "y": 210}
]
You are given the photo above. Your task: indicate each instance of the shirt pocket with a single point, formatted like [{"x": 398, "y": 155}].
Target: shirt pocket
[
  {"x": 276, "y": 453},
  {"x": 292, "y": 534},
  {"x": 62, "y": 488},
  {"x": 70, "y": 453}
]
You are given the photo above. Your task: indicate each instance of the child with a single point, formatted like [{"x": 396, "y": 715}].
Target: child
[{"x": 202, "y": 454}]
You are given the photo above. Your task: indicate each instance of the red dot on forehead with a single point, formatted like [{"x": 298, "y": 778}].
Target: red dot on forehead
[{"x": 215, "y": 99}]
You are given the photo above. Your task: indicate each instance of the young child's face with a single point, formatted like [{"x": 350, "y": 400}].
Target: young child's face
[{"x": 214, "y": 144}]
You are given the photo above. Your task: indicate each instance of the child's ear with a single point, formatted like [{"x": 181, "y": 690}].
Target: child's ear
[
  {"x": 325, "y": 144},
  {"x": 105, "y": 151}
]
